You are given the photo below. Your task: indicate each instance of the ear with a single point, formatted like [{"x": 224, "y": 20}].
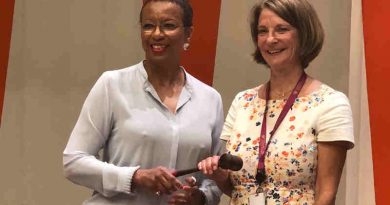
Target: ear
[{"x": 188, "y": 33}]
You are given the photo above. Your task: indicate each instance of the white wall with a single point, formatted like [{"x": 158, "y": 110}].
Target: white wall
[{"x": 58, "y": 50}]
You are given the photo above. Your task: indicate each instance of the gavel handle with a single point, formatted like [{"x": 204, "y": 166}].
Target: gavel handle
[
  {"x": 226, "y": 161},
  {"x": 184, "y": 172}
]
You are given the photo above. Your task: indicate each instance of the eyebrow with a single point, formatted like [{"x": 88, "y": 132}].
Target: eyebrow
[
  {"x": 161, "y": 20},
  {"x": 277, "y": 25}
]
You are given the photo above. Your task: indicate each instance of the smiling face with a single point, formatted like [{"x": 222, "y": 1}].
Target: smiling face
[
  {"x": 162, "y": 32},
  {"x": 277, "y": 41}
]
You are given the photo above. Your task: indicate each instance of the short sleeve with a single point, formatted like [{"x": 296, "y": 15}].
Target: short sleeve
[
  {"x": 335, "y": 121},
  {"x": 227, "y": 129}
]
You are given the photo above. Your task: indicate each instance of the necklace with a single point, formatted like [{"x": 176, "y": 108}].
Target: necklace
[{"x": 283, "y": 93}]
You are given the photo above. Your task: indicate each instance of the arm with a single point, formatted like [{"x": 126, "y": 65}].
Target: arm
[
  {"x": 209, "y": 166},
  {"x": 208, "y": 187},
  {"x": 89, "y": 136},
  {"x": 92, "y": 130},
  {"x": 331, "y": 158},
  {"x": 335, "y": 137}
]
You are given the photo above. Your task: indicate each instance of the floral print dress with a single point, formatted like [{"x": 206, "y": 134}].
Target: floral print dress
[{"x": 291, "y": 159}]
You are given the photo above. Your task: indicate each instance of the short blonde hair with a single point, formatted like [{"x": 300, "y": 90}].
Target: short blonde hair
[{"x": 301, "y": 15}]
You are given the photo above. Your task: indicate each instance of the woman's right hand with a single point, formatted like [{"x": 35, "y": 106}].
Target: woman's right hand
[
  {"x": 209, "y": 167},
  {"x": 159, "y": 180}
]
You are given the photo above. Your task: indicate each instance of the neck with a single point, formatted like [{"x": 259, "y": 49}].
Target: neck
[
  {"x": 164, "y": 75},
  {"x": 283, "y": 81}
]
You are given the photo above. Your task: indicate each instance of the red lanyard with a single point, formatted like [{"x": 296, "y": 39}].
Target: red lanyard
[{"x": 263, "y": 147}]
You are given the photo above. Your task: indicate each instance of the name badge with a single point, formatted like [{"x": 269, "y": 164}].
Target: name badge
[{"x": 257, "y": 199}]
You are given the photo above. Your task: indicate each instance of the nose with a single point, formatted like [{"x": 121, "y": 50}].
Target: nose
[
  {"x": 271, "y": 38},
  {"x": 157, "y": 32}
]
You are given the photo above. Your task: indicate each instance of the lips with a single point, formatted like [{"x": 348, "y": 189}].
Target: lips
[
  {"x": 275, "y": 51},
  {"x": 158, "y": 48}
]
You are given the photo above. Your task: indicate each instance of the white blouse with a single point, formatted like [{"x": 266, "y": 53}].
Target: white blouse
[{"x": 124, "y": 116}]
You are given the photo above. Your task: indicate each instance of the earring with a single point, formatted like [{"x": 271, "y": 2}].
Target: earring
[{"x": 186, "y": 46}]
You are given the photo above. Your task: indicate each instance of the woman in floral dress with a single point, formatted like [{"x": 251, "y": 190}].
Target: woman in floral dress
[{"x": 299, "y": 161}]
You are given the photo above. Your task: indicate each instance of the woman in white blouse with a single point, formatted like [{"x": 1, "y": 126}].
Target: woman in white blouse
[{"x": 150, "y": 119}]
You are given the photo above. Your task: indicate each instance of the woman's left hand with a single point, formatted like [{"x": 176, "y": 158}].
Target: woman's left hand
[{"x": 190, "y": 194}]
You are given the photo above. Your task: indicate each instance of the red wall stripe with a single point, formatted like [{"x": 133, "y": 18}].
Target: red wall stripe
[
  {"x": 377, "y": 44},
  {"x": 200, "y": 59},
  {"x": 6, "y": 15}
]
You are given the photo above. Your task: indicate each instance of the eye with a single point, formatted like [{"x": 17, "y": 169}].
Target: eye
[
  {"x": 282, "y": 29},
  {"x": 169, "y": 26},
  {"x": 148, "y": 26},
  {"x": 261, "y": 31}
]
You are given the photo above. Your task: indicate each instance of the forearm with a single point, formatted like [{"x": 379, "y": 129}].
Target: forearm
[
  {"x": 225, "y": 186},
  {"x": 331, "y": 158},
  {"x": 220, "y": 184},
  {"x": 90, "y": 172},
  {"x": 325, "y": 198}
]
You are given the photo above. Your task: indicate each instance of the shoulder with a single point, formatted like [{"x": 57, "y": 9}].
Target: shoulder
[
  {"x": 247, "y": 95},
  {"x": 335, "y": 121},
  {"x": 245, "y": 98},
  {"x": 200, "y": 88},
  {"x": 332, "y": 97},
  {"x": 132, "y": 75},
  {"x": 122, "y": 73},
  {"x": 335, "y": 107}
]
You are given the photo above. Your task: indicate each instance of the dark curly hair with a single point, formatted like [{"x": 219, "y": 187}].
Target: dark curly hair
[{"x": 184, "y": 5}]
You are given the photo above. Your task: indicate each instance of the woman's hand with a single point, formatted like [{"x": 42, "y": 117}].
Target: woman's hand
[
  {"x": 190, "y": 194},
  {"x": 159, "y": 180},
  {"x": 209, "y": 167}
]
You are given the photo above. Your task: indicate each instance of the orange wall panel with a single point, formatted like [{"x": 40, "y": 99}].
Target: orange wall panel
[
  {"x": 200, "y": 59},
  {"x": 377, "y": 44}
]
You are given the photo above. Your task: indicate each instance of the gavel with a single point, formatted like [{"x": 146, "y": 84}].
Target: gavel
[{"x": 226, "y": 161}]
